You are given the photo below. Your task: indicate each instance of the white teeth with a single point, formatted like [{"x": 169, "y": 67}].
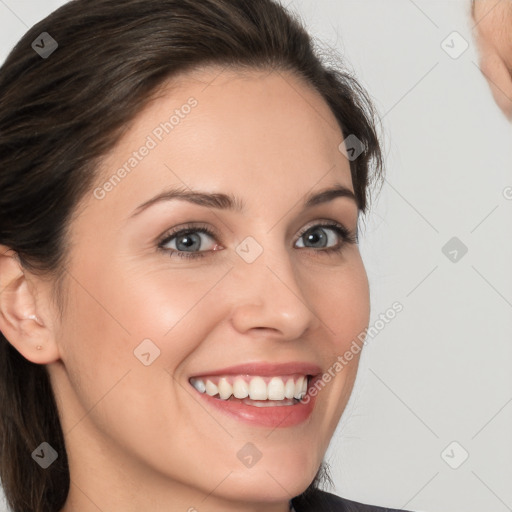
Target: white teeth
[
  {"x": 269, "y": 403},
  {"x": 240, "y": 388},
  {"x": 276, "y": 389},
  {"x": 255, "y": 388},
  {"x": 225, "y": 389},
  {"x": 289, "y": 388},
  {"x": 299, "y": 388},
  {"x": 211, "y": 388},
  {"x": 199, "y": 385}
]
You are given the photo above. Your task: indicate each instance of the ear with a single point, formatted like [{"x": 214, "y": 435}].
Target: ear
[{"x": 24, "y": 326}]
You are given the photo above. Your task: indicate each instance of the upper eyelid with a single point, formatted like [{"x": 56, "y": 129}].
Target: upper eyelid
[
  {"x": 322, "y": 222},
  {"x": 173, "y": 233}
]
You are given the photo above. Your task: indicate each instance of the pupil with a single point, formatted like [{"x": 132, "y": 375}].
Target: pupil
[
  {"x": 187, "y": 242},
  {"x": 320, "y": 235}
]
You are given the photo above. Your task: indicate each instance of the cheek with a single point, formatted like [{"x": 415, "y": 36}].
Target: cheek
[
  {"x": 178, "y": 307},
  {"x": 342, "y": 301},
  {"x": 166, "y": 312},
  {"x": 104, "y": 326}
]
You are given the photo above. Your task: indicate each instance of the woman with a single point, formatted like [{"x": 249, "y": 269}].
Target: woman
[{"x": 180, "y": 188}]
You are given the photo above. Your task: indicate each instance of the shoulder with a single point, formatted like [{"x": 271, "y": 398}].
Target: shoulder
[{"x": 322, "y": 501}]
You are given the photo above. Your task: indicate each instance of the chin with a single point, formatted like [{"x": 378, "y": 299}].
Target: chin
[{"x": 269, "y": 484}]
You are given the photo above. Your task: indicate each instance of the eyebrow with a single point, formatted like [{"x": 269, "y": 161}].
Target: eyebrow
[{"x": 230, "y": 202}]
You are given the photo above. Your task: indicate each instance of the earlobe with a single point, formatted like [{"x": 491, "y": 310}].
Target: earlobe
[{"x": 21, "y": 325}]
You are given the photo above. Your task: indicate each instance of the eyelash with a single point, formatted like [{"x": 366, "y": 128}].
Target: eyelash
[{"x": 346, "y": 236}]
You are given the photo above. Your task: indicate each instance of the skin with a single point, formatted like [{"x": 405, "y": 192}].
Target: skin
[
  {"x": 137, "y": 436},
  {"x": 493, "y": 30}
]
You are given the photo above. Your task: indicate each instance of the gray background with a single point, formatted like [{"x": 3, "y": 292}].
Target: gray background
[{"x": 440, "y": 371}]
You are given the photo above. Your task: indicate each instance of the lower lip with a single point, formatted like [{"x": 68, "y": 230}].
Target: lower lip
[{"x": 279, "y": 416}]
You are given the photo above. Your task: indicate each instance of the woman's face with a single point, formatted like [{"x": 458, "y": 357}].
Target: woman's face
[{"x": 141, "y": 320}]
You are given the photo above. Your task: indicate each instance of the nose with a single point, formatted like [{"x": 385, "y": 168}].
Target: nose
[{"x": 270, "y": 297}]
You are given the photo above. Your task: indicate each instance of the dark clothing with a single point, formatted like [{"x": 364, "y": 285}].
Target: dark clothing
[{"x": 321, "y": 501}]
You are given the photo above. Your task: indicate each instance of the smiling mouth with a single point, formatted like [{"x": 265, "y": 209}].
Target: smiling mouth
[{"x": 259, "y": 391}]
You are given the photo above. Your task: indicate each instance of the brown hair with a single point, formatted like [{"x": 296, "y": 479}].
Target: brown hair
[{"x": 61, "y": 114}]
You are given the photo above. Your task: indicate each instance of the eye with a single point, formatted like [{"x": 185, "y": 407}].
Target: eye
[
  {"x": 187, "y": 242},
  {"x": 323, "y": 236}
]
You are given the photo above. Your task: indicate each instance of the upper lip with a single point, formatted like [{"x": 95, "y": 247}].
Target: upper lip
[{"x": 265, "y": 369}]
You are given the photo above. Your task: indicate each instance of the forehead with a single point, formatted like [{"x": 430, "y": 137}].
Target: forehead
[
  {"x": 242, "y": 132},
  {"x": 249, "y": 105}
]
